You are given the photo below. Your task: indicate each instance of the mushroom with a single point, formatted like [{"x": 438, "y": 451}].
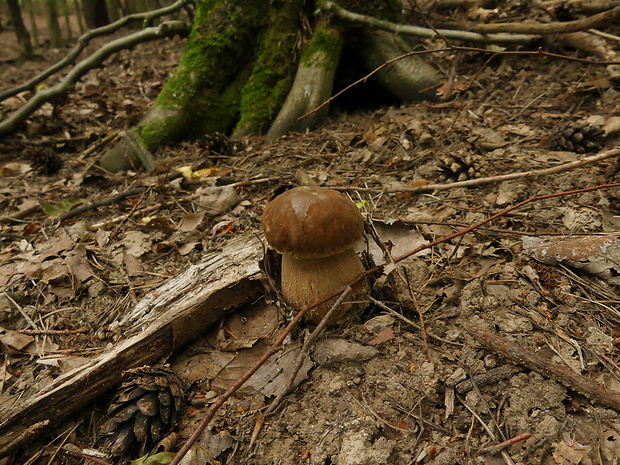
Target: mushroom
[{"x": 314, "y": 229}]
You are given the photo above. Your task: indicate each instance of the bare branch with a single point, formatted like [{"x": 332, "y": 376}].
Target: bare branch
[
  {"x": 559, "y": 372},
  {"x": 166, "y": 29},
  {"x": 84, "y": 40},
  {"x": 427, "y": 33},
  {"x": 492, "y": 179},
  {"x": 583, "y": 24},
  {"x": 498, "y": 33}
]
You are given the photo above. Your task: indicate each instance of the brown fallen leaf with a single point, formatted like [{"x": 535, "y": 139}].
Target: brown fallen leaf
[{"x": 384, "y": 336}]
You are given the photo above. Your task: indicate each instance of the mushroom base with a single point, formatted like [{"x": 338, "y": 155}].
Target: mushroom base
[{"x": 306, "y": 280}]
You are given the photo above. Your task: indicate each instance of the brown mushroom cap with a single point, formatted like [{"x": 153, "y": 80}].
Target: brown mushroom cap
[{"x": 312, "y": 222}]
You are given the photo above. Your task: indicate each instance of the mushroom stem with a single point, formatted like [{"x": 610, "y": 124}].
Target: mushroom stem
[{"x": 306, "y": 280}]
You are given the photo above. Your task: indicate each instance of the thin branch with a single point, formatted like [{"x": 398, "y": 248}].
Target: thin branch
[
  {"x": 495, "y": 448},
  {"x": 84, "y": 40},
  {"x": 505, "y": 455},
  {"x": 559, "y": 372},
  {"x": 166, "y": 29},
  {"x": 500, "y": 33},
  {"x": 428, "y": 33},
  {"x": 305, "y": 350},
  {"x": 493, "y": 53},
  {"x": 583, "y": 24},
  {"x": 102, "y": 203},
  {"x": 430, "y": 188},
  {"x": 582, "y": 6}
]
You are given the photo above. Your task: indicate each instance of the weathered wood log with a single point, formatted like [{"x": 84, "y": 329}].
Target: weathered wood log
[{"x": 162, "y": 322}]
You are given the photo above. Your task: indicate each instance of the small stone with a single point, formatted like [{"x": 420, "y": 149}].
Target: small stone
[
  {"x": 379, "y": 323},
  {"x": 333, "y": 351}
]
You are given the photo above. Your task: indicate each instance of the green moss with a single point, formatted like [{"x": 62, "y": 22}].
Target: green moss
[
  {"x": 223, "y": 111},
  {"x": 162, "y": 129},
  {"x": 273, "y": 70},
  {"x": 325, "y": 39},
  {"x": 220, "y": 44}
]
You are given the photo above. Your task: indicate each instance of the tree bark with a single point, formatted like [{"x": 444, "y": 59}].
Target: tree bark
[
  {"x": 23, "y": 37},
  {"x": 51, "y": 11},
  {"x": 313, "y": 83}
]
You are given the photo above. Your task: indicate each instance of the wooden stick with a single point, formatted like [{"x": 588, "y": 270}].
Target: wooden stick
[
  {"x": 494, "y": 449},
  {"x": 429, "y": 188},
  {"x": 559, "y": 372}
]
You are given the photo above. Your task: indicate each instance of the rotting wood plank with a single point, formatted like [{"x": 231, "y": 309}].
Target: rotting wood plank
[{"x": 162, "y": 322}]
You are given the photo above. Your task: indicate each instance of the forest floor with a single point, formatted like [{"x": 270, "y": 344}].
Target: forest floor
[{"x": 513, "y": 338}]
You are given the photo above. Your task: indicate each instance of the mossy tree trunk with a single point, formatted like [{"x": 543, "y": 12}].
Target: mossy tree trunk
[{"x": 248, "y": 66}]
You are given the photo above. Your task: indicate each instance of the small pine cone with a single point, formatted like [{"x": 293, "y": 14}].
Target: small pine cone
[
  {"x": 45, "y": 160},
  {"x": 216, "y": 144},
  {"x": 455, "y": 168},
  {"x": 579, "y": 138},
  {"x": 145, "y": 408}
]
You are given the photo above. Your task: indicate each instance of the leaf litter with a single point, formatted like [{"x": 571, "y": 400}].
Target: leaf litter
[{"x": 393, "y": 405}]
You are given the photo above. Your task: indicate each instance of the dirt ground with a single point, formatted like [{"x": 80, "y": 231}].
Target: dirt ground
[{"x": 514, "y": 337}]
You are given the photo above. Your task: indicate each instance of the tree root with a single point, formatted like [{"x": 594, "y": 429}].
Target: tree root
[
  {"x": 410, "y": 78},
  {"x": 313, "y": 83}
]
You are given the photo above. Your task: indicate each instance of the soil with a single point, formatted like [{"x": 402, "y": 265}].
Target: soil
[{"x": 396, "y": 393}]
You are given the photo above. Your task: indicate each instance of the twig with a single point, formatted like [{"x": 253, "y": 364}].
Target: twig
[
  {"x": 497, "y": 215},
  {"x": 605, "y": 35},
  {"x": 486, "y": 427},
  {"x": 87, "y": 457},
  {"x": 365, "y": 78},
  {"x": 494, "y": 449},
  {"x": 491, "y": 376},
  {"x": 430, "y": 188},
  {"x": 276, "y": 347},
  {"x": 485, "y": 33},
  {"x": 102, "y": 203},
  {"x": 582, "y": 6},
  {"x": 166, "y": 29},
  {"x": 559, "y": 372},
  {"x": 53, "y": 332},
  {"x": 97, "y": 145},
  {"x": 107, "y": 223},
  {"x": 416, "y": 306},
  {"x": 251, "y": 182},
  {"x": 451, "y": 47},
  {"x": 67, "y": 435},
  {"x": 305, "y": 350},
  {"x": 83, "y": 41},
  {"x": 394, "y": 313},
  {"x": 486, "y": 405},
  {"x": 133, "y": 210},
  {"x": 21, "y": 310},
  {"x": 19, "y": 215},
  {"x": 564, "y": 27}
]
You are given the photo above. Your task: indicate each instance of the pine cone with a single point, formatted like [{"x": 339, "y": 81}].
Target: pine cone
[
  {"x": 579, "y": 138},
  {"x": 44, "y": 160},
  {"x": 145, "y": 408},
  {"x": 216, "y": 145},
  {"x": 455, "y": 168}
]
